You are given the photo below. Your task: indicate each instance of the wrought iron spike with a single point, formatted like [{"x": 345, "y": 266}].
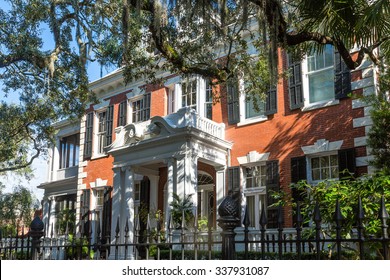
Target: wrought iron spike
[
  {"x": 127, "y": 226},
  {"x": 263, "y": 218},
  {"x": 246, "y": 221},
  {"x": 338, "y": 216},
  {"x": 183, "y": 222},
  {"x": 383, "y": 214},
  {"x": 117, "y": 226},
  {"x": 158, "y": 222},
  {"x": 280, "y": 216},
  {"x": 52, "y": 231},
  {"x": 196, "y": 224},
  {"x": 360, "y": 211},
  {"x": 317, "y": 214},
  {"x": 137, "y": 224},
  {"x": 98, "y": 230},
  {"x": 299, "y": 214},
  {"x": 170, "y": 222},
  {"x": 148, "y": 227}
]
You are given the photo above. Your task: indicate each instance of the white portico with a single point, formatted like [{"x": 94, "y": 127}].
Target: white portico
[{"x": 154, "y": 159}]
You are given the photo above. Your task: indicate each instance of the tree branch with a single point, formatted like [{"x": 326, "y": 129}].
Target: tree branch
[{"x": 24, "y": 165}]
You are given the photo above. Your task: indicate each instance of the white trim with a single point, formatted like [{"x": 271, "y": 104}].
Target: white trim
[
  {"x": 253, "y": 158},
  {"x": 101, "y": 106},
  {"x": 318, "y": 105},
  {"x": 322, "y": 146}
]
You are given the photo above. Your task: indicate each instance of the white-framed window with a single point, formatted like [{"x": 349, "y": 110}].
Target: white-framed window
[
  {"x": 320, "y": 73},
  {"x": 254, "y": 107},
  {"x": 69, "y": 151},
  {"x": 189, "y": 90},
  {"x": 208, "y": 104},
  {"x": 255, "y": 192},
  {"x": 194, "y": 92},
  {"x": 101, "y": 133},
  {"x": 141, "y": 108},
  {"x": 244, "y": 109},
  {"x": 323, "y": 167},
  {"x": 171, "y": 100},
  {"x": 99, "y": 130},
  {"x": 319, "y": 80}
]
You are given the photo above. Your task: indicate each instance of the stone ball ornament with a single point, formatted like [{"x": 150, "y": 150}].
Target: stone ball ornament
[
  {"x": 36, "y": 227},
  {"x": 228, "y": 207}
]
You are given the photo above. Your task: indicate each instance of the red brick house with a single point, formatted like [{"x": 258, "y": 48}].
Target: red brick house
[{"x": 143, "y": 143}]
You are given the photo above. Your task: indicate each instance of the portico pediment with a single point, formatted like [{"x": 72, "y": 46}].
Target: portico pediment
[{"x": 183, "y": 120}]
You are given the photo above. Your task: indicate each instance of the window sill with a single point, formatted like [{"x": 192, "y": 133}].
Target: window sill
[
  {"x": 252, "y": 120},
  {"x": 320, "y": 105},
  {"x": 99, "y": 156}
]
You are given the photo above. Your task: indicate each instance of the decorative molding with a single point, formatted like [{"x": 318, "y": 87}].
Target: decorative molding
[
  {"x": 322, "y": 146},
  {"x": 101, "y": 105},
  {"x": 98, "y": 183},
  {"x": 253, "y": 157}
]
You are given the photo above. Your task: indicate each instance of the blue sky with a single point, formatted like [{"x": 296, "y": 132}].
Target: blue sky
[{"x": 40, "y": 165}]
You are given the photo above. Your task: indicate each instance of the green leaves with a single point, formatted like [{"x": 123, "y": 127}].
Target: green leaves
[{"x": 369, "y": 188}]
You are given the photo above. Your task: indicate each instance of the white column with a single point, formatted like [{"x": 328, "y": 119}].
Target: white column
[
  {"x": 116, "y": 205},
  {"x": 153, "y": 192},
  {"x": 128, "y": 213},
  {"x": 56, "y": 160},
  {"x": 45, "y": 220},
  {"x": 178, "y": 97},
  {"x": 187, "y": 171},
  {"x": 201, "y": 96},
  {"x": 171, "y": 175},
  {"x": 52, "y": 215},
  {"x": 220, "y": 188}
]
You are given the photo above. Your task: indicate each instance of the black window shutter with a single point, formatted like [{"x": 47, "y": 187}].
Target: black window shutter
[
  {"x": 107, "y": 209},
  {"x": 85, "y": 211},
  {"x": 271, "y": 103},
  {"x": 233, "y": 183},
  {"x": 298, "y": 169},
  {"x": 88, "y": 135},
  {"x": 346, "y": 163},
  {"x": 109, "y": 122},
  {"x": 122, "y": 113},
  {"x": 272, "y": 185},
  {"x": 342, "y": 83},
  {"x": 233, "y": 103},
  {"x": 298, "y": 173},
  {"x": 295, "y": 83}
]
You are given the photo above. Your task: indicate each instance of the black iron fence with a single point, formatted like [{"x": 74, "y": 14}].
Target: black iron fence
[{"x": 233, "y": 240}]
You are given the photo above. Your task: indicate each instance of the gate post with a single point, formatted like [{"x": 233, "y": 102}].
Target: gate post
[
  {"x": 228, "y": 211},
  {"x": 36, "y": 232}
]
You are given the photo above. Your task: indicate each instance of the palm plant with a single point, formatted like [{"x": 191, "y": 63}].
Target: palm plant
[{"x": 182, "y": 207}]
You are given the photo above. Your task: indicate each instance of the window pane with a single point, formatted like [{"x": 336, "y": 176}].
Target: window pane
[
  {"x": 334, "y": 172},
  {"x": 325, "y": 173},
  {"x": 250, "y": 200},
  {"x": 316, "y": 174},
  {"x": 250, "y": 107},
  {"x": 334, "y": 160},
  {"x": 321, "y": 85},
  {"x": 328, "y": 56},
  {"x": 324, "y": 161},
  {"x": 315, "y": 162}
]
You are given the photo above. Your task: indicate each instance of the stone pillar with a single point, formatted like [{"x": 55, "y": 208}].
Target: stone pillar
[
  {"x": 220, "y": 188},
  {"x": 46, "y": 209},
  {"x": 52, "y": 216},
  {"x": 171, "y": 183},
  {"x": 228, "y": 211},
  {"x": 36, "y": 232},
  {"x": 128, "y": 211},
  {"x": 116, "y": 206}
]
